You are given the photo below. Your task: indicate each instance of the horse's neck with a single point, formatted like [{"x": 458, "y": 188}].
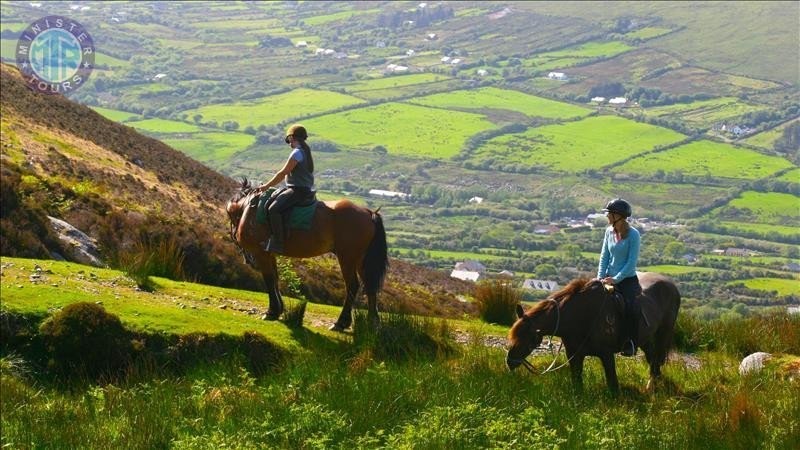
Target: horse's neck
[{"x": 548, "y": 321}]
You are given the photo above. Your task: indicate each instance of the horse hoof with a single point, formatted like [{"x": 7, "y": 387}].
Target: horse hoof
[
  {"x": 337, "y": 328},
  {"x": 270, "y": 316}
]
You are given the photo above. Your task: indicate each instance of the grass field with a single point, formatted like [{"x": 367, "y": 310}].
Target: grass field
[
  {"x": 390, "y": 82},
  {"x": 769, "y": 208},
  {"x": 766, "y": 139},
  {"x": 792, "y": 175},
  {"x": 576, "y": 146},
  {"x": 705, "y": 113},
  {"x": 324, "y": 19},
  {"x": 163, "y": 126},
  {"x": 672, "y": 269},
  {"x": 503, "y": 99},
  {"x": 765, "y": 230},
  {"x": 406, "y": 130},
  {"x": 647, "y": 33},
  {"x": 211, "y": 147},
  {"x": 577, "y": 54},
  {"x": 781, "y": 285},
  {"x": 275, "y": 109},
  {"x": 707, "y": 158},
  {"x": 115, "y": 114}
]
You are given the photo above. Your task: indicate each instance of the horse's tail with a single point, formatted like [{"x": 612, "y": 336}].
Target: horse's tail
[{"x": 376, "y": 261}]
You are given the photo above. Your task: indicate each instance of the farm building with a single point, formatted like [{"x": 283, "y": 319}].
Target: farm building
[
  {"x": 482, "y": 72},
  {"x": 598, "y": 99},
  {"x": 546, "y": 229},
  {"x": 301, "y": 44},
  {"x": 389, "y": 194},
  {"x": 561, "y": 76},
  {"x": 445, "y": 59},
  {"x": 396, "y": 68},
  {"x": 506, "y": 273},
  {"x": 618, "y": 101},
  {"x": 410, "y": 53},
  {"x": 731, "y": 251},
  {"x": 455, "y": 61},
  {"x": 470, "y": 265},
  {"x": 466, "y": 275},
  {"x": 540, "y": 285},
  {"x": 477, "y": 200}
]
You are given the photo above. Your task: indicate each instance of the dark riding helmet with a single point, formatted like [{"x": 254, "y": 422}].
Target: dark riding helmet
[
  {"x": 618, "y": 206},
  {"x": 298, "y": 131}
]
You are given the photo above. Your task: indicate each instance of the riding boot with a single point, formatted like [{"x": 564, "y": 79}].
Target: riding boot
[
  {"x": 629, "y": 346},
  {"x": 275, "y": 243}
]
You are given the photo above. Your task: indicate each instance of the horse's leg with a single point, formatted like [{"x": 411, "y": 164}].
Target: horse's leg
[
  {"x": 610, "y": 368},
  {"x": 576, "y": 367},
  {"x": 351, "y": 285},
  {"x": 269, "y": 272},
  {"x": 372, "y": 303}
]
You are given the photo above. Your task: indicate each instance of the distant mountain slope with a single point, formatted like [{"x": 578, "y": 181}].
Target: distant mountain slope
[{"x": 123, "y": 189}]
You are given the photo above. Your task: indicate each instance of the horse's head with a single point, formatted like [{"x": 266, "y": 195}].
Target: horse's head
[
  {"x": 543, "y": 319},
  {"x": 525, "y": 336},
  {"x": 236, "y": 204}
]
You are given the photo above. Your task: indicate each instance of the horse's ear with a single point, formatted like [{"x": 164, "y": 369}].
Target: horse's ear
[{"x": 520, "y": 311}]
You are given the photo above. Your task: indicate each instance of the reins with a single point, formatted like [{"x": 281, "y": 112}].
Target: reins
[{"x": 525, "y": 363}]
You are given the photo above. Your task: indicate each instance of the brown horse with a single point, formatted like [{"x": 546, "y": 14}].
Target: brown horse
[
  {"x": 354, "y": 234},
  {"x": 587, "y": 318}
]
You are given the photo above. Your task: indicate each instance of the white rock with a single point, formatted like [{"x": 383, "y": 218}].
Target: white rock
[
  {"x": 753, "y": 362},
  {"x": 81, "y": 247}
]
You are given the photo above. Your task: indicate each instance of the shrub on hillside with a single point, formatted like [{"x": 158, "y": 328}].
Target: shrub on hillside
[
  {"x": 293, "y": 314},
  {"x": 402, "y": 336},
  {"x": 262, "y": 356},
  {"x": 164, "y": 259},
  {"x": 497, "y": 301},
  {"x": 771, "y": 333},
  {"x": 84, "y": 339}
]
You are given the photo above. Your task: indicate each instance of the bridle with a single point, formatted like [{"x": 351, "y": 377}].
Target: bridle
[{"x": 525, "y": 363}]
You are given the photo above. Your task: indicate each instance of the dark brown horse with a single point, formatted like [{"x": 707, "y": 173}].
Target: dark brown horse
[
  {"x": 586, "y": 316},
  {"x": 354, "y": 234}
]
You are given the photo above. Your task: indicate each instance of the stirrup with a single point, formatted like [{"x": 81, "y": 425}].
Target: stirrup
[{"x": 628, "y": 348}]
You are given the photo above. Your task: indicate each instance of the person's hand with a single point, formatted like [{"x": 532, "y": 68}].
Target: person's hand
[{"x": 608, "y": 280}]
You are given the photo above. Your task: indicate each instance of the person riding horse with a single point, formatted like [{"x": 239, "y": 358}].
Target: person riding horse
[
  {"x": 298, "y": 173},
  {"x": 618, "y": 265}
]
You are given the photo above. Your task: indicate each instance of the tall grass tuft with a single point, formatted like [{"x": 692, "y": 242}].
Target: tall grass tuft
[
  {"x": 740, "y": 337},
  {"x": 402, "y": 337},
  {"x": 497, "y": 301},
  {"x": 293, "y": 314},
  {"x": 147, "y": 258}
]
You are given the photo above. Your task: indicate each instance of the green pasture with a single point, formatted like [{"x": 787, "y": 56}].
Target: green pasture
[
  {"x": 766, "y": 139},
  {"x": 163, "y": 126},
  {"x": 390, "y": 82},
  {"x": 263, "y": 25},
  {"x": 762, "y": 207},
  {"x": 210, "y": 147},
  {"x": 102, "y": 59},
  {"x": 671, "y": 198},
  {"x": 792, "y": 175},
  {"x": 406, "y": 130},
  {"x": 115, "y": 114},
  {"x": 576, "y": 54},
  {"x": 782, "y": 285},
  {"x": 324, "y": 19},
  {"x": 411, "y": 90},
  {"x": 274, "y": 109},
  {"x": 148, "y": 88},
  {"x": 705, "y": 113},
  {"x": 765, "y": 230},
  {"x": 591, "y": 143},
  {"x": 647, "y": 33},
  {"x": 707, "y": 158},
  {"x": 672, "y": 269},
  {"x": 503, "y": 99}
]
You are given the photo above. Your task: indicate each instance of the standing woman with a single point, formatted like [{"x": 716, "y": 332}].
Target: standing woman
[
  {"x": 298, "y": 173},
  {"x": 618, "y": 265}
]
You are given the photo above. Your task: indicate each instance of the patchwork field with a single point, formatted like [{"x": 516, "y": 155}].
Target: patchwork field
[
  {"x": 647, "y": 33},
  {"x": 577, "y": 54},
  {"x": 781, "y": 285},
  {"x": 390, "y": 82},
  {"x": 672, "y": 269},
  {"x": 407, "y": 130},
  {"x": 115, "y": 114},
  {"x": 164, "y": 126},
  {"x": 707, "y": 158},
  {"x": 766, "y": 139},
  {"x": 503, "y": 99},
  {"x": 275, "y": 109},
  {"x": 210, "y": 147},
  {"x": 673, "y": 198},
  {"x": 705, "y": 113},
  {"x": 792, "y": 175},
  {"x": 577, "y": 146},
  {"x": 769, "y": 208}
]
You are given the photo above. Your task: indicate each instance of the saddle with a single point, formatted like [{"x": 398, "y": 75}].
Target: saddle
[{"x": 299, "y": 216}]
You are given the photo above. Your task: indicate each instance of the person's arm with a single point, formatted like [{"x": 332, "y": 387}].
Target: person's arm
[
  {"x": 605, "y": 255},
  {"x": 278, "y": 177},
  {"x": 633, "y": 257}
]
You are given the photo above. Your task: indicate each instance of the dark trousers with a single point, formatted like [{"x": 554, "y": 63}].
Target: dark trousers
[
  {"x": 630, "y": 289},
  {"x": 284, "y": 200}
]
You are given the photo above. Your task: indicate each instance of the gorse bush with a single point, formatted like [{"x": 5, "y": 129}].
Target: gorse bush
[
  {"x": 293, "y": 314},
  {"x": 147, "y": 258},
  {"x": 402, "y": 336},
  {"x": 84, "y": 339},
  {"x": 497, "y": 301}
]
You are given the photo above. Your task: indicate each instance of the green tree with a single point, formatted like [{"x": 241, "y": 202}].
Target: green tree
[
  {"x": 545, "y": 270},
  {"x": 674, "y": 250}
]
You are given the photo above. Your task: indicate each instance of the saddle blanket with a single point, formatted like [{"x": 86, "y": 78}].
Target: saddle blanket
[{"x": 300, "y": 216}]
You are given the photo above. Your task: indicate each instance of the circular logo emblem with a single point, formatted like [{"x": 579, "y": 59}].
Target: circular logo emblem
[{"x": 55, "y": 55}]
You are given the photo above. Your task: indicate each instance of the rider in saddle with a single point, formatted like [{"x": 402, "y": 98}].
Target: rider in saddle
[
  {"x": 618, "y": 265},
  {"x": 299, "y": 175}
]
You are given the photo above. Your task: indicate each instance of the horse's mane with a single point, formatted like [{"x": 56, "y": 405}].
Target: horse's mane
[
  {"x": 575, "y": 286},
  {"x": 245, "y": 189}
]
